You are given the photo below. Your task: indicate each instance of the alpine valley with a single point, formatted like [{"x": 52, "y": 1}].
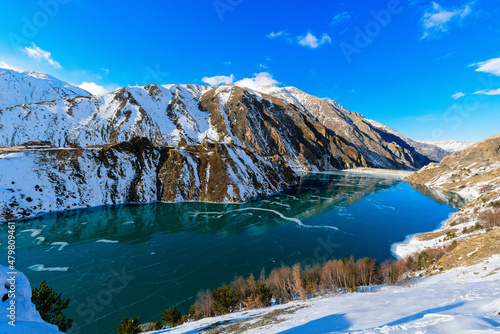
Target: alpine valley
[{"x": 176, "y": 143}]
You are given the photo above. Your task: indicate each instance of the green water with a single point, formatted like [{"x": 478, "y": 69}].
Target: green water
[{"x": 131, "y": 260}]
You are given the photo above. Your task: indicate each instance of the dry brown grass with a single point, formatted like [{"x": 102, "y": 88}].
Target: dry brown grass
[
  {"x": 437, "y": 234},
  {"x": 472, "y": 251}
]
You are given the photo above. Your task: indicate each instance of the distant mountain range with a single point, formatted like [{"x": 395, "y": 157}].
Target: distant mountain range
[
  {"x": 447, "y": 144},
  {"x": 177, "y": 142},
  {"x": 471, "y": 172}
]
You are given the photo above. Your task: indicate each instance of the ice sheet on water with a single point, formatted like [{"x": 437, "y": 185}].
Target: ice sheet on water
[{"x": 41, "y": 267}]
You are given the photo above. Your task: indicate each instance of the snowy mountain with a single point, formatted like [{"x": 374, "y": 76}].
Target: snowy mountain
[
  {"x": 177, "y": 143},
  {"x": 307, "y": 131},
  {"x": 428, "y": 149},
  {"x": 447, "y": 144},
  {"x": 31, "y": 87}
]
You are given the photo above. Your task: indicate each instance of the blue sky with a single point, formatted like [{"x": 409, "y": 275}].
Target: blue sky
[{"x": 430, "y": 70}]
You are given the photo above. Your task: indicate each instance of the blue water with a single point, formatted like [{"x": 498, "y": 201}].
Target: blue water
[{"x": 131, "y": 260}]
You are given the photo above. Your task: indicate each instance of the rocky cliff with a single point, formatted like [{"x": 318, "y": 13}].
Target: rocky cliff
[
  {"x": 135, "y": 172},
  {"x": 308, "y": 132},
  {"x": 177, "y": 143}
]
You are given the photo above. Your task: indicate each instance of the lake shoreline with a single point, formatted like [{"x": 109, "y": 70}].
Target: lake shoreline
[
  {"x": 402, "y": 174},
  {"x": 370, "y": 171}
]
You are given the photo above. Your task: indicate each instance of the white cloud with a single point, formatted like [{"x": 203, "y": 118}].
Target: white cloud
[
  {"x": 490, "y": 66},
  {"x": 437, "y": 18},
  {"x": 458, "y": 95},
  {"x": 93, "y": 88},
  {"x": 277, "y": 34},
  {"x": 311, "y": 41},
  {"x": 488, "y": 92},
  {"x": 340, "y": 18},
  {"x": 218, "y": 80},
  {"x": 9, "y": 67},
  {"x": 259, "y": 79},
  {"x": 35, "y": 52}
]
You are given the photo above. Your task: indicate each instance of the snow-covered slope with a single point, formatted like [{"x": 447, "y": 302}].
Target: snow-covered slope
[
  {"x": 135, "y": 171},
  {"x": 217, "y": 144},
  {"x": 462, "y": 300},
  {"x": 449, "y": 145},
  {"x": 471, "y": 172},
  {"x": 428, "y": 149},
  {"x": 309, "y": 132},
  {"x": 27, "y": 319},
  {"x": 31, "y": 87}
]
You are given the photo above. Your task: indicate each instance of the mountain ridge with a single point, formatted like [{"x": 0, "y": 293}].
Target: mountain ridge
[
  {"x": 180, "y": 143},
  {"x": 27, "y": 87}
]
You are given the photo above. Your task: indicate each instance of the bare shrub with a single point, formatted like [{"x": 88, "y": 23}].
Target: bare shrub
[
  {"x": 298, "y": 282},
  {"x": 280, "y": 283},
  {"x": 366, "y": 271},
  {"x": 490, "y": 219}
]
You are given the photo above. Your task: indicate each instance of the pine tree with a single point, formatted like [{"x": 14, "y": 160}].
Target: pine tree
[
  {"x": 223, "y": 300},
  {"x": 51, "y": 305},
  {"x": 263, "y": 294},
  {"x": 171, "y": 317}
]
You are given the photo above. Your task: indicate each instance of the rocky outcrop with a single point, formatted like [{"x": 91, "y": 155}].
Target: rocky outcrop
[
  {"x": 135, "y": 172},
  {"x": 308, "y": 132},
  {"x": 433, "y": 152}
]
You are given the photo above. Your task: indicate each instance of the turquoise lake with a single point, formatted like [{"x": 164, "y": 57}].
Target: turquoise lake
[{"x": 136, "y": 260}]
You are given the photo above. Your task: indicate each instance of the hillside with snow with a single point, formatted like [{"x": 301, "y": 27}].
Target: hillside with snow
[
  {"x": 32, "y": 87},
  {"x": 428, "y": 149},
  {"x": 307, "y": 131},
  {"x": 474, "y": 174},
  {"x": 461, "y": 300},
  {"x": 134, "y": 172},
  {"x": 170, "y": 142}
]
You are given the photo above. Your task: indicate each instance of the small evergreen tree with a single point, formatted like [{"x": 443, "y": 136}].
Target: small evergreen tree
[
  {"x": 223, "y": 300},
  {"x": 51, "y": 305},
  {"x": 129, "y": 326},
  {"x": 263, "y": 294},
  {"x": 424, "y": 260},
  {"x": 171, "y": 317}
]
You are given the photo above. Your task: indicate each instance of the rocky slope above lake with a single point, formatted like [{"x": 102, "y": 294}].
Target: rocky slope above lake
[
  {"x": 470, "y": 172},
  {"x": 135, "y": 172},
  {"x": 307, "y": 131},
  {"x": 175, "y": 143}
]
